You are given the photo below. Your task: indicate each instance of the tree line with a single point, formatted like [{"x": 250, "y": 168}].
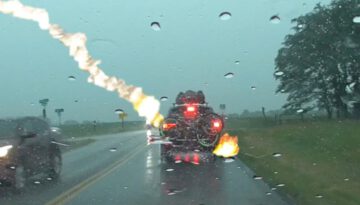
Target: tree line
[{"x": 318, "y": 66}]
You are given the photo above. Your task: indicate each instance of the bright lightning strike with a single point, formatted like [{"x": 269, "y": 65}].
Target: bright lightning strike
[{"x": 146, "y": 106}]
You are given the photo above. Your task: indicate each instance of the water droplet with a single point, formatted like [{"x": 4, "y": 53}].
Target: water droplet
[
  {"x": 49, "y": 178},
  {"x": 12, "y": 167},
  {"x": 71, "y": 78},
  {"x": 171, "y": 192},
  {"x": 125, "y": 187},
  {"x": 163, "y": 98},
  {"x": 276, "y": 154},
  {"x": 300, "y": 111},
  {"x": 257, "y": 177},
  {"x": 32, "y": 104},
  {"x": 273, "y": 189},
  {"x": 217, "y": 178},
  {"x": 225, "y": 16},
  {"x": 196, "y": 150},
  {"x": 275, "y": 19},
  {"x": 319, "y": 196},
  {"x": 155, "y": 26},
  {"x": 314, "y": 164},
  {"x": 119, "y": 111},
  {"x": 229, "y": 75},
  {"x": 280, "y": 185},
  {"x": 346, "y": 179},
  {"x": 37, "y": 182},
  {"x": 237, "y": 62},
  {"x": 114, "y": 149},
  {"x": 76, "y": 101},
  {"x": 178, "y": 161},
  {"x": 229, "y": 160},
  {"x": 163, "y": 183},
  {"x": 268, "y": 193},
  {"x": 300, "y": 26},
  {"x": 276, "y": 172},
  {"x": 253, "y": 87},
  {"x": 279, "y": 73},
  {"x": 356, "y": 19},
  {"x": 169, "y": 170}
]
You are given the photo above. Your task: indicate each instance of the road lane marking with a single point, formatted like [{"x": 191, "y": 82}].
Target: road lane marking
[{"x": 77, "y": 189}]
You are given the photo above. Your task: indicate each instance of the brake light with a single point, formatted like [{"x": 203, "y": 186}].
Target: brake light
[
  {"x": 216, "y": 125},
  {"x": 168, "y": 126},
  {"x": 190, "y": 108},
  {"x": 190, "y": 112}
]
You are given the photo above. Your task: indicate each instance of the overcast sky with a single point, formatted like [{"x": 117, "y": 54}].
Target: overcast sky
[{"x": 193, "y": 50}]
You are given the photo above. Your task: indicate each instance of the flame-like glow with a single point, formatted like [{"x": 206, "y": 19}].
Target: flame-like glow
[
  {"x": 227, "y": 146},
  {"x": 147, "y": 106}
]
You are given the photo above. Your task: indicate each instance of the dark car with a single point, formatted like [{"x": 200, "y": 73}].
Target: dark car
[
  {"x": 28, "y": 149},
  {"x": 192, "y": 128}
]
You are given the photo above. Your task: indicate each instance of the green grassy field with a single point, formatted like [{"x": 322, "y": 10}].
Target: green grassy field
[
  {"x": 87, "y": 130},
  {"x": 319, "y": 162},
  {"x": 77, "y": 135}
]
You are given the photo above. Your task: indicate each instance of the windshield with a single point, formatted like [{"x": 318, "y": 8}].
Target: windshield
[{"x": 180, "y": 102}]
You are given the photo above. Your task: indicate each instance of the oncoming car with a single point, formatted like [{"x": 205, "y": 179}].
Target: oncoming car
[{"x": 27, "y": 150}]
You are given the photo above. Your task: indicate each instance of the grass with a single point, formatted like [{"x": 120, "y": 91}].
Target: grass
[
  {"x": 319, "y": 158},
  {"x": 88, "y": 130},
  {"x": 77, "y": 135}
]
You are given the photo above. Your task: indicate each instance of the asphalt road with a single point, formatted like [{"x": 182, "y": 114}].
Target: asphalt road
[{"x": 122, "y": 169}]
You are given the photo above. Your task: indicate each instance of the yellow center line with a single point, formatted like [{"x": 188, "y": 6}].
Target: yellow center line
[{"x": 77, "y": 189}]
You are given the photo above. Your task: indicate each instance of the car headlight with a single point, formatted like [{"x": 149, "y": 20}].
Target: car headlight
[{"x": 4, "y": 150}]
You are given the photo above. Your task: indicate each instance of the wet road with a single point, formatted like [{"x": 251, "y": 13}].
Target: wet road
[{"x": 121, "y": 169}]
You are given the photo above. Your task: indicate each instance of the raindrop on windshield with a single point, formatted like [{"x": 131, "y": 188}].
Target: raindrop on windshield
[
  {"x": 280, "y": 185},
  {"x": 237, "y": 62},
  {"x": 71, "y": 78},
  {"x": 171, "y": 192},
  {"x": 229, "y": 160},
  {"x": 277, "y": 155},
  {"x": 356, "y": 19},
  {"x": 268, "y": 193},
  {"x": 275, "y": 19},
  {"x": 163, "y": 98},
  {"x": 273, "y": 189},
  {"x": 76, "y": 101},
  {"x": 36, "y": 182},
  {"x": 32, "y": 104},
  {"x": 319, "y": 196},
  {"x": 257, "y": 177},
  {"x": 300, "y": 110},
  {"x": 225, "y": 16},
  {"x": 169, "y": 170},
  {"x": 113, "y": 149},
  {"x": 178, "y": 161},
  {"x": 253, "y": 87},
  {"x": 346, "y": 179},
  {"x": 119, "y": 111},
  {"x": 49, "y": 178},
  {"x": 276, "y": 172},
  {"x": 279, "y": 73},
  {"x": 155, "y": 26},
  {"x": 229, "y": 75}
]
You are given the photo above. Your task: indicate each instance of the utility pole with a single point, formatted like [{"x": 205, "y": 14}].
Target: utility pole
[
  {"x": 44, "y": 103},
  {"x": 58, "y": 112}
]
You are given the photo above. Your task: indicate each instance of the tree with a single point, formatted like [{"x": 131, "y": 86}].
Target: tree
[{"x": 321, "y": 59}]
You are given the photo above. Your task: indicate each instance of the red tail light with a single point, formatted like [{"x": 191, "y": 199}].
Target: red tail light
[
  {"x": 216, "y": 125},
  {"x": 168, "y": 126},
  {"x": 191, "y": 111}
]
